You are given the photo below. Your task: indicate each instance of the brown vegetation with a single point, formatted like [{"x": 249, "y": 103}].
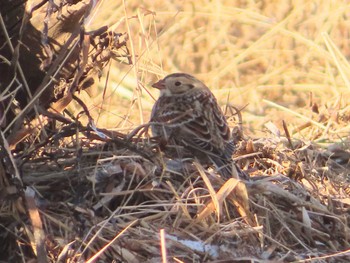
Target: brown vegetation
[{"x": 82, "y": 180}]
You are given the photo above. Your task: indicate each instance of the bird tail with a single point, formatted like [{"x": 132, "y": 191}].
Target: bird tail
[{"x": 228, "y": 168}]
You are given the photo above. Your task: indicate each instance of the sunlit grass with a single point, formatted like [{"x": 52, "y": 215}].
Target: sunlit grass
[
  {"x": 291, "y": 54},
  {"x": 282, "y": 65}
]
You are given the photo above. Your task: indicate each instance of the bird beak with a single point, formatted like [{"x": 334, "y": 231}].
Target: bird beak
[{"x": 159, "y": 85}]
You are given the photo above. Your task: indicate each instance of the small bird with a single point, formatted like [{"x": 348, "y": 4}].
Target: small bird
[{"x": 187, "y": 114}]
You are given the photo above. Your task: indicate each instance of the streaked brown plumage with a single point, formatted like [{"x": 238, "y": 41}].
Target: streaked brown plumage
[{"x": 187, "y": 114}]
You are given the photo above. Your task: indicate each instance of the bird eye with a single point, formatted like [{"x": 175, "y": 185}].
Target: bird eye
[{"x": 177, "y": 83}]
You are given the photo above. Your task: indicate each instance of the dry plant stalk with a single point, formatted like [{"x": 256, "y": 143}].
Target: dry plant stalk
[{"x": 105, "y": 194}]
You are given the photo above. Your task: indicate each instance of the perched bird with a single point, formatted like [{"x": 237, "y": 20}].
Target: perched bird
[{"x": 187, "y": 114}]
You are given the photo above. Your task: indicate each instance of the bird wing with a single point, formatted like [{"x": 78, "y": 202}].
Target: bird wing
[
  {"x": 208, "y": 130},
  {"x": 202, "y": 127}
]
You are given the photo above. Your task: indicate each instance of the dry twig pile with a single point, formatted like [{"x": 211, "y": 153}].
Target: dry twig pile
[{"x": 71, "y": 192}]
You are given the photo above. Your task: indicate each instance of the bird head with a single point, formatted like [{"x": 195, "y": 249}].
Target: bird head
[{"x": 178, "y": 84}]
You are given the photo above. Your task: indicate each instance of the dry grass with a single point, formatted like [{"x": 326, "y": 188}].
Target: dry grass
[
  {"x": 249, "y": 54},
  {"x": 278, "y": 61}
]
